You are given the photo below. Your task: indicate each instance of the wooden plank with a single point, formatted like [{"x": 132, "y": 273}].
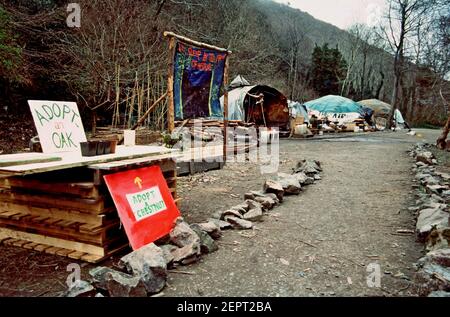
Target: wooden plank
[
  {"x": 71, "y": 160},
  {"x": 7, "y": 209},
  {"x": 100, "y": 237},
  {"x": 93, "y": 206},
  {"x": 81, "y": 189},
  {"x": 170, "y": 82},
  {"x": 172, "y": 35},
  {"x": 76, "y": 255},
  {"x": 54, "y": 242},
  {"x": 26, "y": 158}
]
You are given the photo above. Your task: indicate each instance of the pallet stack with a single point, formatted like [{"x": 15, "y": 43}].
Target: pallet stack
[{"x": 68, "y": 212}]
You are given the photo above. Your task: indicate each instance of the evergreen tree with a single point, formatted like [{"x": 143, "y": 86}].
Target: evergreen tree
[{"x": 328, "y": 69}]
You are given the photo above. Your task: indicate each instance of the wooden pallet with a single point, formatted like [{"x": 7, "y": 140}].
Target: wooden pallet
[
  {"x": 70, "y": 212},
  {"x": 50, "y": 245}
]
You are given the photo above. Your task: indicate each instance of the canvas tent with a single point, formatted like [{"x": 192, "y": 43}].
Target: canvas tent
[
  {"x": 242, "y": 104},
  {"x": 335, "y": 108}
]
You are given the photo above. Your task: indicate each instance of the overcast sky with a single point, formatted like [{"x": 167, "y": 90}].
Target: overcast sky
[{"x": 341, "y": 13}]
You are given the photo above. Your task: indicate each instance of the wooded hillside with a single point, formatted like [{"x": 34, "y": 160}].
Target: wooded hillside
[{"x": 116, "y": 62}]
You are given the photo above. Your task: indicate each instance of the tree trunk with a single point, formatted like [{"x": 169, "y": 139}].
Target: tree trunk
[{"x": 441, "y": 142}]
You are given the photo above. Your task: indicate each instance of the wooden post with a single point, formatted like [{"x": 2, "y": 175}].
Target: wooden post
[
  {"x": 225, "y": 107},
  {"x": 171, "y": 110}
]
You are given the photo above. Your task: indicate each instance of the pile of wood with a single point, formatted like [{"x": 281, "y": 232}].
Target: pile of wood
[
  {"x": 144, "y": 136},
  {"x": 212, "y": 123},
  {"x": 67, "y": 212}
]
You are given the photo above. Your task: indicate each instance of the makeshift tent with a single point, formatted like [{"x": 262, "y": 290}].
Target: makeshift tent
[
  {"x": 296, "y": 109},
  {"x": 335, "y": 108},
  {"x": 380, "y": 108},
  {"x": 243, "y": 104},
  {"x": 381, "y": 112}
]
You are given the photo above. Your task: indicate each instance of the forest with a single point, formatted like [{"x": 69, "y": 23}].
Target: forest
[{"x": 115, "y": 64}]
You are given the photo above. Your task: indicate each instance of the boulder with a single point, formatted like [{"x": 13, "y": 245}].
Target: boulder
[
  {"x": 223, "y": 225},
  {"x": 187, "y": 254},
  {"x": 241, "y": 208},
  {"x": 149, "y": 264},
  {"x": 254, "y": 214},
  {"x": 211, "y": 228},
  {"x": 439, "y": 294},
  {"x": 308, "y": 167},
  {"x": 80, "y": 289},
  {"x": 167, "y": 253},
  {"x": 274, "y": 197},
  {"x": 267, "y": 203},
  {"x": 207, "y": 244},
  {"x": 117, "y": 284},
  {"x": 429, "y": 219},
  {"x": 271, "y": 186},
  {"x": 182, "y": 235},
  {"x": 434, "y": 271},
  {"x": 438, "y": 239},
  {"x": 232, "y": 212},
  {"x": 425, "y": 157},
  {"x": 290, "y": 184},
  {"x": 238, "y": 223},
  {"x": 252, "y": 204}
]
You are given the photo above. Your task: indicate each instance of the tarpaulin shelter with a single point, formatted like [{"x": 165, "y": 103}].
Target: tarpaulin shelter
[
  {"x": 336, "y": 108},
  {"x": 380, "y": 108},
  {"x": 296, "y": 109},
  {"x": 243, "y": 104}
]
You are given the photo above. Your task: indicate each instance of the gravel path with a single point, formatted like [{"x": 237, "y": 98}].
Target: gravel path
[
  {"x": 321, "y": 242},
  {"x": 316, "y": 244}
]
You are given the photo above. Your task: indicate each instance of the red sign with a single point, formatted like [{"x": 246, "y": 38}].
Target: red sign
[{"x": 144, "y": 203}]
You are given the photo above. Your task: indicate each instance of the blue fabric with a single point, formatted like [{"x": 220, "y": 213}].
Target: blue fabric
[{"x": 334, "y": 104}]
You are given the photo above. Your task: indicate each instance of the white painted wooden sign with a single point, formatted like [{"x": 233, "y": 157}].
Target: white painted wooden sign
[{"x": 59, "y": 125}]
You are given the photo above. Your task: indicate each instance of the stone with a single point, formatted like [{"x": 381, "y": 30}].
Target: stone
[
  {"x": 212, "y": 229},
  {"x": 425, "y": 157},
  {"x": 274, "y": 197},
  {"x": 187, "y": 254},
  {"x": 434, "y": 271},
  {"x": 290, "y": 184},
  {"x": 308, "y": 167},
  {"x": 182, "y": 235},
  {"x": 301, "y": 178},
  {"x": 117, "y": 284},
  {"x": 223, "y": 225},
  {"x": 242, "y": 208},
  {"x": 317, "y": 177},
  {"x": 149, "y": 264},
  {"x": 238, "y": 223},
  {"x": 271, "y": 186},
  {"x": 252, "y": 204},
  {"x": 232, "y": 212},
  {"x": 207, "y": 244},
  {"x": 438, "y": 239},
  {"x": 436, "y": 189},
  {"x": 249, "y": 196},
  {"x": 255, "y": 214},
  {"x": 309, "y": 181},
  {"x": 167, "y": 253},
  {"x": 267, "y": 203},
  {"x": 80, "y": 289},
  {"x": 439, "y": 294},
  {"x": 429, "y": 219}
]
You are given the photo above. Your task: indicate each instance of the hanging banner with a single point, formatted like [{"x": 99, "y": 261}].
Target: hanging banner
[
  {"x": 198, "y": 76},
  {"x": 144, "y": 203}
]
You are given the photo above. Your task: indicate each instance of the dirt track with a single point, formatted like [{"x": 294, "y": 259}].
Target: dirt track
[{"x": 316, "y": 244}]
